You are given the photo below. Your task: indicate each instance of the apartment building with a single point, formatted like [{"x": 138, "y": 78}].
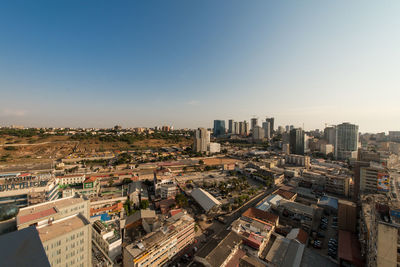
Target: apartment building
[
  {"x": 169, "y": 190},
  {"x": 67, "y": 241},
  {"x": 52, "y": 210},
  {"x": 338, "y": 184},
  {"x": 72, "y": 179},
  {"x": 379, "y": 231},
  {"x": 107, "y": 238},
  {"x": 158, "y": 247},
  {"x": 374, "y": 178},
  {"x": 63, "y": 228},
  {"x": 298, "y": 160}
]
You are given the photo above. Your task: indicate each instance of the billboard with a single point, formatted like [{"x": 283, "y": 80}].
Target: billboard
[{"x": 383, "y": 184}]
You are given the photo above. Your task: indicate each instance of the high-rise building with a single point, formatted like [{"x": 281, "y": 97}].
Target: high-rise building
[
  {"x": 201, "y": 140},
  {"x": 286, "y": 148},
  {"x": 346, "y": 141},
  {"x": 287, "y": 128},
  {"x": 231, "y": 127},
  {"x": 297, "y": 141},
  {"x": 63, "y": 228},
  {"x": 236, "y": 127},
  {"x": 246, "y": 128},
  {"x": 254, "y": 123},
  {"x": 394, "y": 136},
  {"x": 241, "y": 128},
  {"x": 266, "y": 127},
  {"x": 271, "y": 125},
  {"x": 258, "y": 133},
  {"x": 330, "y": 135},
  {"x": 219, "y": 128}
]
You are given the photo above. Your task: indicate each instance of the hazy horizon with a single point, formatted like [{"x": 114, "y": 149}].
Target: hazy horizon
[{"x": 184, "y": 63}]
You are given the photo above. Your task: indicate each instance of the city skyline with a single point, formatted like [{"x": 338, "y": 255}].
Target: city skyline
[{"x": 186, "y": 64}]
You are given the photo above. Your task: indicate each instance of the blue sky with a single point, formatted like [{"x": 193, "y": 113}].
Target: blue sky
[{"x": 186, "y": 63}]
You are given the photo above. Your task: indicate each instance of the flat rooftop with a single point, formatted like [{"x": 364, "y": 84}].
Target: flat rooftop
[
  {"x": 61, "y": 227},
  {"x": 297, "y": 207},
  {"x": 45, "y": 209}
]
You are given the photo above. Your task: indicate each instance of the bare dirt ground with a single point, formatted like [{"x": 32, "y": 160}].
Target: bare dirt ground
[{"x": 43, "y": 150}]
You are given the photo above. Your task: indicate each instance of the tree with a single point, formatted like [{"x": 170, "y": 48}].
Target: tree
[
  {"x": 181, "y": 200},
  {"x": 201, "y": 162},
  {"x": 110, "y": 183},
  {"x": 144, "y": 204}
]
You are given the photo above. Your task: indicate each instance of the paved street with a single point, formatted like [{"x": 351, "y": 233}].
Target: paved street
[{"x": 217, "y": 237}]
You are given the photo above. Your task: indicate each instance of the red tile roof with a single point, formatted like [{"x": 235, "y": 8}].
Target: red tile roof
[
  {"x": 174, "y": 212},
  {"x": 113, "y": 208},
  {"x": 285, "y": 194},
  {"x": 37, "y": 215},
  {"x": 90, "y": 179},
  {"x": 254, "y": 213}
]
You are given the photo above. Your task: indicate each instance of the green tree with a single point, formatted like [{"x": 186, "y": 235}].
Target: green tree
[
  {"x": 181, "y": 200},
  {"x": 144, "y": 204}
]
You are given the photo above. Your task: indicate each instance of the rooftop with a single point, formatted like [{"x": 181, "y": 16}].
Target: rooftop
[
  {"x": 60, "y": 227},
  {"x": 297, "y": 207},
  {"x": 219, "y": 254},
  {"x": 285, "y": 194},
  {"x": 285, "y": 252},
  {"x": 205, "y": 199},
  {"x": 46, "y": 209},
  {"x": 254, "y": 213}
]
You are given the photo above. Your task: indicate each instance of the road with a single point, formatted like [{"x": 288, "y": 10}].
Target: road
[
  {"x": 38, "y": 144},
  {"x": 217, "y": 237}
]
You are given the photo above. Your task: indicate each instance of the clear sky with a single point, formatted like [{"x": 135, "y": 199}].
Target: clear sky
[{"x": 146, "y": 63}]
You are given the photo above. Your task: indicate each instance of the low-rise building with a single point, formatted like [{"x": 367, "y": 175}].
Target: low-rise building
[
  {"x": 107, "y": 238},
  {"x": 169, "y": 190},
  {"x": 158, "y": 247},
  {"x": 205, "y": 200},
  {"x": 298, "y": 160},
  {"x": 71, "y": 179}
]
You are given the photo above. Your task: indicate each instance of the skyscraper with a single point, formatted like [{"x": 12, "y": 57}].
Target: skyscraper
[
  {"x": 258, "y": 133},
  {"x": 241, "y": 128},
  {"x": 297, "y": 141},
  {"x": 266, "y": 128},
  {"x": 254, "y": 123},
  {"x": 201, "y": 140},
  {"x": 346, "y": 140},
  {"x": 236, "y": 127},
  {"x": 246, "y": 128},
  {"x": 330, "y": 135},
  {"x": 219, "y": 128},
  {"x": 271, "y": 125},
  {"x": 231, "y": 127}
]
